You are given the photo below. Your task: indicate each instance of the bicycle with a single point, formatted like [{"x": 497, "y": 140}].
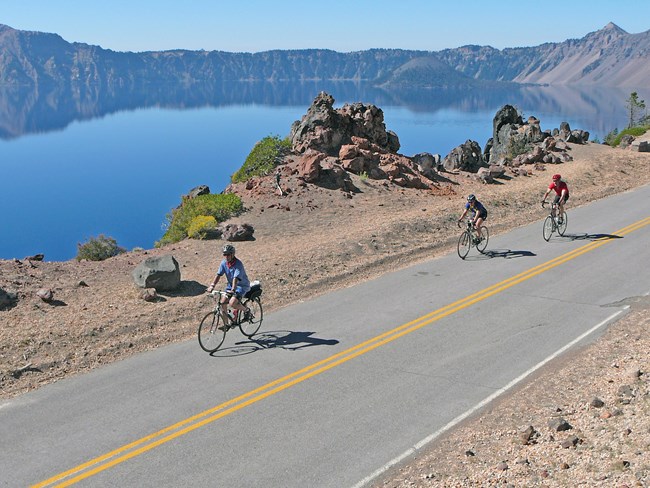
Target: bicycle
[
  {"x": 553, "y": 223},
  {"x": 470, "y": 238},
  {"x": 212, "y": 330}
]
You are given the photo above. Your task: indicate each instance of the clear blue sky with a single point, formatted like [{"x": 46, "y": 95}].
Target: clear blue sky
[{"x": 341, "y": 25}]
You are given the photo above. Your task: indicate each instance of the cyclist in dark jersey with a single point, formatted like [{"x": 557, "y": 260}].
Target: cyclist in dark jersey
[{"x": 479, "y": 214}]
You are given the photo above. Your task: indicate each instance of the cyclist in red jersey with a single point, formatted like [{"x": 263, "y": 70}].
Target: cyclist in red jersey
[{"x": 561, "y": 193}]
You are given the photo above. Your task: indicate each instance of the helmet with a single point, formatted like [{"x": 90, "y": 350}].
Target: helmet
[
  {"x": 557, "y": 177},
  {"x": 228, "y": 249},
  {"x": 471, "y": 197}
]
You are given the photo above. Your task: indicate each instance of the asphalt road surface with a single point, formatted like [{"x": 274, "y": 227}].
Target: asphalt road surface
[{"x": 337, "y": 389}]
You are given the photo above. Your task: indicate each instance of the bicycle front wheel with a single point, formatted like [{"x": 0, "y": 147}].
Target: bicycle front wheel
[
  {"x": 464, "y": 244},
  {"x": 210, "y": 335},
  {"x": 547, "y": 230},
  {"x": 485, "y": 236},
  {"x": 250, "y": 324},
  {"x": 561, "y": 228}
]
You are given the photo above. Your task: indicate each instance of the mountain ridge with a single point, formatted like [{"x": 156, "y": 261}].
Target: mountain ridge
[{"x": 609, "y": 56}]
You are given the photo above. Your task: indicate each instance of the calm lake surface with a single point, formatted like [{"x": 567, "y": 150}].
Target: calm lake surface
[{"x": 74, "y": 166}]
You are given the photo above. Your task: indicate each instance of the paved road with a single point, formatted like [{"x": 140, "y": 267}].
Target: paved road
[{"x": 338, "y": 387}]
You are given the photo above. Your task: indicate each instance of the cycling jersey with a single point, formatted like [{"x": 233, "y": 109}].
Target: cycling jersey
[
  {"x": 478, "y": 208},
  {"x": 558, "y": 187},
  {"x": 235, "y": 270}
]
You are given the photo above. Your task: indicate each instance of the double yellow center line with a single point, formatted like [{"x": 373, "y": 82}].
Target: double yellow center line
[{"x": 190, "y": 424}]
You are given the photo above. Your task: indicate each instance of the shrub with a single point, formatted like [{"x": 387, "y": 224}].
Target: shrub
[
  {"x": 221, "y": 207},
  {"x": 200, "y": 226},
  {"x": 611, "y": 135},
  {"x": 615, "y": 138},
  {"x": 98, "y": 248},
  {"x": 262, "y": 159}
]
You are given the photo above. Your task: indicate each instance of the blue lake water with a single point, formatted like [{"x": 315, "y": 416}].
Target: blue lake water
[{"x": 73, "y": 171}]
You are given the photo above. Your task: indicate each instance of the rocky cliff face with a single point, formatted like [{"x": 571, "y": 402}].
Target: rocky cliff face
[{"x": 609, "y": 57}]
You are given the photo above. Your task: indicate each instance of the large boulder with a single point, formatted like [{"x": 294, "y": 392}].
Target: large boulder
[
  {"x": 511, "y": 136},
  {"x": 238, "y": 232},
  {"x": 161, "y": 273},
  {"x": 325, "y": 129},
  {"x": 466, "y": 157}
]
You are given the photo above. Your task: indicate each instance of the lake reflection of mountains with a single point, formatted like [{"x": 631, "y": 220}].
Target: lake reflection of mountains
[{"x": 25, "y": 109}]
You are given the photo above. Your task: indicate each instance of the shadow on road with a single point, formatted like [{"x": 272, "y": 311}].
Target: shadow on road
[
  {"x": 507, "y": 253},
  {"x": 282, "y": 339},
  {"x": 591, "y": 237}
]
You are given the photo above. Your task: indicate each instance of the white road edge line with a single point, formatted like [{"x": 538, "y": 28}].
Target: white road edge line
[{"x": 481, "y": 404}]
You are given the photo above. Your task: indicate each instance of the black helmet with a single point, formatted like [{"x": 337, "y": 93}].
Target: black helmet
[
  {"x": 228, "y": 249},
  {"x": 471, "y": 197}
]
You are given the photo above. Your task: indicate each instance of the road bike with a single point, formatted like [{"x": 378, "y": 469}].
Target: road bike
[
  {"x": 554, "y": 222},
  {"x": 470, "y": 238},
  {"x": 212, "y": 330}
]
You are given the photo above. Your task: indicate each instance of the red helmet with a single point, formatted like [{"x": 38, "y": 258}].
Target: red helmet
[{"x": 557, "y": 177}]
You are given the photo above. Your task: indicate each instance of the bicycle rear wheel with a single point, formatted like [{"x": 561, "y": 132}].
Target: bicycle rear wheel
[
  {"x": 251, "y": 324},
  {"x": 210, "y": 335},
  {"x": 485, "y": 236},
  {"x": 561, "y": 228},
  {"x": 548, "y": 228},
  {"x": 464, "y": 244}
]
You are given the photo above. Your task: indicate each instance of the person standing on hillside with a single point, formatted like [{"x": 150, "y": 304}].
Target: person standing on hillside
[
  {"x": 561, "y": 194},
  {"x": 479, "y": 214},
  {"x": 238, "y": 283}
]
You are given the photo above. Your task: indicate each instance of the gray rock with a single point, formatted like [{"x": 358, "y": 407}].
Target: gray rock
[
  {"x": 7, "y": 300},
  {"x": 161, "y": 273},
  {"x": 238, "y": 232},
  {"x": 466, "y": 157},
  {"x": 559, "y": 424},
  {"x": 45, "y": 294}
]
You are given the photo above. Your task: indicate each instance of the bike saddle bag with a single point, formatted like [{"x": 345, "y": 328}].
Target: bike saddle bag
[{"x": 255, "y": 291}]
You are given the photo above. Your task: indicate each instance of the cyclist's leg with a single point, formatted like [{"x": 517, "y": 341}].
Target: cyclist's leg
[
  {"x": 477, "y": 226},
  {"x": 235, "y": 301},
  {"x": 223, "y": 309},
  {"x": 562, "y": 203}
]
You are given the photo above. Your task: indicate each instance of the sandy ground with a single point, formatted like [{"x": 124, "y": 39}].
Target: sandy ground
[{"x": 314, "y": 240}]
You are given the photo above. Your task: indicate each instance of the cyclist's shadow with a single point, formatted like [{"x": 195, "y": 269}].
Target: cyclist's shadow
[
  {"x": 499, "y": 253},
  {"x": 590, "y": 237},
  {"x": 281, "y": 339}
]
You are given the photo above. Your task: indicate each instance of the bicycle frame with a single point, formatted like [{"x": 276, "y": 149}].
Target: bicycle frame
[
  {"x": 554, "y": 223},
  {"x": 469, "y": 237}
]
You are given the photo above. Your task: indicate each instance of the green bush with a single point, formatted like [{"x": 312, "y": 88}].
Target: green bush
[
  {"x": 614, "y": 137},
  {"x": 219, "y": 206},
  {"x": 262, "y": 159},
  {"x": 200, "y": 226},
  {"x": 98, "y": 248}
]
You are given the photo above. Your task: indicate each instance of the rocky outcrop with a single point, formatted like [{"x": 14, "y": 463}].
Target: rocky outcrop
[
  {"x": 330, "y": 143},
  {"x": 161, "y": 273},
  {"x": 511, "y": 136},
  {"x": 325, "y": 129}
]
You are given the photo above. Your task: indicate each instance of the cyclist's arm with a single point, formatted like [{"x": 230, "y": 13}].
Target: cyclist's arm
[
  {"x": 546, "y": 194},
  {"x": 462, "y": 216},
  {"x": 214, "y": 283}
]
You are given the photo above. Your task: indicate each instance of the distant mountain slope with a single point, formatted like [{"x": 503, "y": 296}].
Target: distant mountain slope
[{"x": 609, "y": 57}]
